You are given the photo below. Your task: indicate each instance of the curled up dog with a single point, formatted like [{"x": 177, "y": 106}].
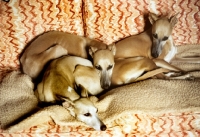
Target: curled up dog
[
  {"x": 148, "y": 54},
  {"x": 54, "y": 44},
  {"x": 51, "y": 45},
  {"x": 59, "y": 85}
]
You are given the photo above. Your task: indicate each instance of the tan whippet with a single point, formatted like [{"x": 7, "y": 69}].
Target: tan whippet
[
  {"x": 155, "y": 44},
  {"x": 103, "y": 61},
  {"x": 51, "y": 45},
  {"x": 84, "y": 110},
  {"x": 128, "y": 70},
  {"x": 88, "y": 77},
  {"x": 54, "y": 44},
  {"x": 59, "y": 84}
]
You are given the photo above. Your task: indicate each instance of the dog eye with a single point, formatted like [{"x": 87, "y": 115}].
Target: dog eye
[
  {"x": 165, "y": 38},
  {"x": 87, "y": 114},
  {"x": 97, "y": 111},
  {"x": 98, "y": 67},
  {"x": 109, "y": 67},
  {"x": 155, "y": 36}
]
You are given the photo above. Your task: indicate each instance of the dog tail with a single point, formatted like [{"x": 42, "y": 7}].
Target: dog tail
[{"x": 152, "y": 73}]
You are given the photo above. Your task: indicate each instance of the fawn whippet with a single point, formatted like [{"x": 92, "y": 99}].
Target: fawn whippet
[
  {"x": 156, "y": 44},
  {"x": 51, "y": 45},
  {"x": 55, "y": 44},
  {"x": 59, "y": 84},
  {"x": 128, "y": 70}
]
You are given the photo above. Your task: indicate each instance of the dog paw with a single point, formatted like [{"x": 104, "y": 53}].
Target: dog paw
[
  {"x": 174, "y": 74},
  {"x": 189, "y": 77}
]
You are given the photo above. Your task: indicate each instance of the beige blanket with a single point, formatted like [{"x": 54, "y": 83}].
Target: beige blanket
[
  {"x": 152, "y": 96},
  {"x": 16, "y": 98}
]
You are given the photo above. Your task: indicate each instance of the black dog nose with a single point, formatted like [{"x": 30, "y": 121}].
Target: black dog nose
[
  {"x": 105, "y": 85},
  {"x": 103, "y": 127},
  {"x": 155, "y": 55}
]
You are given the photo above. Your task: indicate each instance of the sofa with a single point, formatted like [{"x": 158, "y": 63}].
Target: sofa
[{"x": 152, "y": 107}]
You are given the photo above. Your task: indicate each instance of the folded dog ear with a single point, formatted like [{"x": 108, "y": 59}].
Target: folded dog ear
[
  {"x": 94, "y": 99},
  {"x": 152, "y": 18},
  {"x": 66, "y": 101},
  {"x": 84, "y": 92},
  {"x": 92, "y": 50},
  {"x": 69, "y": 105},
  {"x": 173, "y": 20},
  {"x": 112, "y": 48}
]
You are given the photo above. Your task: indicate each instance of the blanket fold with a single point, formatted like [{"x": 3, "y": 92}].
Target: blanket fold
[
  {"x": 152, "y": 96},
  {"x": 16, "y": 98}
]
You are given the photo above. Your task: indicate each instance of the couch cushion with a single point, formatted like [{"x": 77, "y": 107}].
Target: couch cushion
[
  {"x": 111, "y": 20},
  {"x": 22, "y": 20}
]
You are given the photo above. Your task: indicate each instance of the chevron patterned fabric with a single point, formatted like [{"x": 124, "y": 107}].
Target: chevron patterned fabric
[
  {"x": 133, "y": 124},
  {"x": 22, "y": 20},
  {"x": 107, "y": 21},
  {"x": 112, "y": 20}
]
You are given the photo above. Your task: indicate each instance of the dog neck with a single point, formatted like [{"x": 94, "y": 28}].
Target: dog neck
[
  {"x": 172, "y": 51},
  {"x": 169, "y": 50}
]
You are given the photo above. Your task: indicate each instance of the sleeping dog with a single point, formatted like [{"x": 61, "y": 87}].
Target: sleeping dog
[
  {"x": 54, "y": 44},
  {"x": 51, "y": 45},
  {"x": 59, "y": 84}
]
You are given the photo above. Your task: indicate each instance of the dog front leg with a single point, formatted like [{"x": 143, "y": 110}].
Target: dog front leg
[
  {"x": 176, "y": 73},
  {"x": 157, "y": 73},
  {"x": 163, "y": 64}
]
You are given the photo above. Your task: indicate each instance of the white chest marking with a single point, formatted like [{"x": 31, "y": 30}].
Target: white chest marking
[
  {"x": 69, "y": 89},
  {"x": 171, "y": 53}
]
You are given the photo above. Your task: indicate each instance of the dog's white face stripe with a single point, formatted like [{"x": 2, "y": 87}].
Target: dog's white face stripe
[
  {"x": 104, "y": 63},
  {"x": 161, "y": 31},
  {"x": 86, "y": 112},
  {"x": 157, "y": 47},
  {"x": 90, "y": 117}
]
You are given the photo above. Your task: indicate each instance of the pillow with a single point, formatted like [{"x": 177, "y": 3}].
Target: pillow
[
  {"x": 16, "y": 98},
  {"x": 110, "y": 21}
]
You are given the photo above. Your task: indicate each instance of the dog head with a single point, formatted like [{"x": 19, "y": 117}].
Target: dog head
[
  {"x": 161, "y": 32},
  {"x": 84, "y": 110},
  {"x": 103, "y": 61},
  {"x": 88, "y": 77}
]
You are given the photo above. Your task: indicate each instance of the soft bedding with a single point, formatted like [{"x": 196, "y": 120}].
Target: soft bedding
[{"x": 148, "y": 108}]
